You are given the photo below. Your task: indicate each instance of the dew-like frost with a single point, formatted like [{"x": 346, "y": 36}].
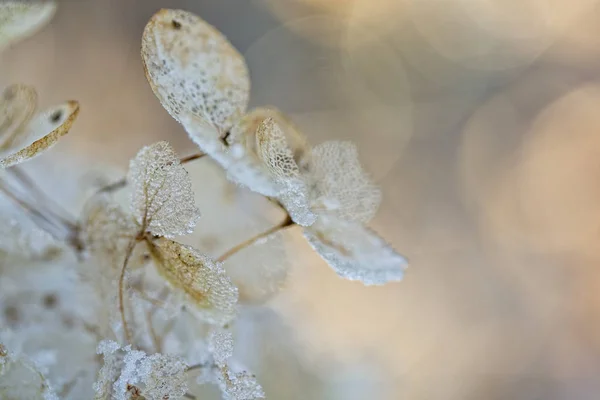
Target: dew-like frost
[
  {"x": 239, "y": 385},
  {"x": 20, "y": 19},
  {"x": 354, "y": 251},
  {"x": 202, "y": 279},
  {"x": 192, "y": 68},
  {"x": 220, "y": 344},
  {"x": 39, "y": 134},
  {"x": 340, "y": 186},
  {"x": 162, "y": 200}
]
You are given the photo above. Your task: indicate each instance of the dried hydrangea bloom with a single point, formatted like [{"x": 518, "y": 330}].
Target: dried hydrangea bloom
[
  {"x": 162, "y": 200},
  {"x": 354, "y": 251},
  {"x": 239, "y": 385},
  {"x": 340, "y": 186},
  {"x": 38, "y": 134},
  {"x": 19, "y": 19},
  {"x": 20, "y": 379},
  {"x": 192, "y": 68},
  {"x": 17, "y": 105},
  {"x": 128, "y": 373},
  {"x": 203, "y": 280}
]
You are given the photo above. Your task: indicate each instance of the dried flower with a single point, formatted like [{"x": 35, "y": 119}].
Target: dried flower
[{"x": 19, "y": 19}]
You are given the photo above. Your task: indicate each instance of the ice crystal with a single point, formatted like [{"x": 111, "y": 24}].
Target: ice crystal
[
  {"x": 20, "y": 19},
  {"x": 239, "y": 385},
  {"x": 220, "y": 344},
  {"x": 192, "y": 68},
  {"x": 162, "y": 200},
  {"x": 202, "y": 279},
  {"x": 354, "y": 251},
  {"x": 20, "y": 379},
  {"x": 37, "y": 134}
]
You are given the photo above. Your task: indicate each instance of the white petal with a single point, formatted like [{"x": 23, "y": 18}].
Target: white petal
[{"x": 19, "y": 19}]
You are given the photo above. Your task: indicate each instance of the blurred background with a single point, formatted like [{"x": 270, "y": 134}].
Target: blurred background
[{"x": 481, "y": 121}]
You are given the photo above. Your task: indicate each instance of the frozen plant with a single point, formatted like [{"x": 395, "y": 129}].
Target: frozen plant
[{"x": 112, "y": 295}]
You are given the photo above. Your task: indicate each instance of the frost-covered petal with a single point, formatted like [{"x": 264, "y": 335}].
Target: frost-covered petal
[
  {"x": 41, "y": 133},
  {"x": 203, "y": 280},
  {"x": 20, "y": 19},
  {"x": 192, "y": 68},
  {"x": 279, "y": 159},
  {"x": 220, "y": 344},
  {"x": 162, "y": 200},
  {"x": 340, "y": 185},
  {"x": 354, "y": 251},
  {"x": 20, "y": 379},
  {"x": 17, "y": 105},
  {"x": 239, "y": 385}
]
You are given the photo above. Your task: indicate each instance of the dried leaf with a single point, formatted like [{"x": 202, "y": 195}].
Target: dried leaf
[
  {"x": 192, "y": 68},
  {"x": 273, "y": 150},
  {"x": 17, "y": 105},
  {"x": 41, "y": 133},
  {"x": 162, "y": 199},
  {"x": 340, "y": 186},
  {"x": 354, "y": 251},
  {"x": 203, "y": 280},
  {"x": 20, "y": 19}
]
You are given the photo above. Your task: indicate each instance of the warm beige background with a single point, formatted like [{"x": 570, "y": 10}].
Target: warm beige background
[{"x": 480, "y": 119}]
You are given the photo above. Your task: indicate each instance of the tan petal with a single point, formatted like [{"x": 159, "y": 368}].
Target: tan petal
[
  {"x": 41, "y": 133},
  {"x": 203, "y": 280},
  {"x": 19, "y": 19},
  {"x": 355, "y": 252},
  {"x": 340, "y": 185},
  {"x": 192, "y": 68},
  {"x": 17, "y": 106},
  {"x": 162, "y": 200}
]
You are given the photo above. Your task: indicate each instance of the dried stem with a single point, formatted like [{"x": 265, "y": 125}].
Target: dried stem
[
  {"x": 128, "y": 253},
  {"x": 121, "y": 183},
  {"x": 287, "y": 222}
]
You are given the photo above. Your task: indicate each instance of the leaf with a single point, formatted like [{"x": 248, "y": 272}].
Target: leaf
[
  {"x": 203, "y": 280},
  {"x": 40, "y": 134},
  {"x": 17, "y": 105},
  {"x": 193, "y": 69},
  {"x": 274, "y": 151},
  {"x": 19, "y": 19},
  {"x": 340, "y": 186},
  {"x": 162, "y": 200},
  {"x": 354, "y": 251}
]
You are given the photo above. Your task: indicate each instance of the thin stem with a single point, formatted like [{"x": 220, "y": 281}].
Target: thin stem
[
  {"x": 190, "y": 396},
  {"x": 282, "y": 225},
  {"x": 128, "y": 253},
  {"x": 121, "y": 183},
  {"x": 199, "y": 366}
]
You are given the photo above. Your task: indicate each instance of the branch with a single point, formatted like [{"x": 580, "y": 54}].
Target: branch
[{"x": 128, "y": 253}]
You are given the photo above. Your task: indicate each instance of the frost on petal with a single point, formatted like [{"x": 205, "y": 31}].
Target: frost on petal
[
  {"x": 239, "y": 385},
  {"x": 273, "y": 150},
  {"x": 17, "y": 105},
  {"x": 162, "y": 199},
  {"x": 260, "y": 270},
  {"x": 354, "y": 251},
  {"x": 41, "y": 133},
  {"x": 340, "y": 186},
  {"x": 192, "y": 68},
  {"x": 166, "y": 378},
  {"x": 203, "y": 280},
  {"x": 20, "y": 379},
  {"x": 20, "y": 19},
  {"x": 220, "y": 344}
]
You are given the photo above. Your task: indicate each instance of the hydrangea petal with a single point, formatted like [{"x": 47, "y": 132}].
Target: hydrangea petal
[
  {"x": 19, "y": 19},
  {"x": 17, "y": 105}
]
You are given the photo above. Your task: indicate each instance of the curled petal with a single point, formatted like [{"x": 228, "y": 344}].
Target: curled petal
[
  {"x": 203, "y": 280},
  {"x": 19, "y": 19},
  {"x": 340, "y": 185},
  {"x": 355, "y": 252},
  {"x": 41, "y": 133},
  {"x": 192, "y": 68},
  {"x": 162, "y": 201}
]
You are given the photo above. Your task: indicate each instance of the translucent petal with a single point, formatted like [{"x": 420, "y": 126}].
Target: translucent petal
[
  {"x": 20, "y": 379},
  {"x": 41, "y": 133},
  {"x": 17, "y": 105},
  {"x": 192, "y": 68},
  {"x": 354, "y": 251},
  {"x": 162, "y": 199},
  {"x": 239, "y": 385},
  {"x": 273, "y": 150},
  {"x": 22, "y": 238},
  {"x": 203, "y": 280},
  {"x": 19, "y": 19},
  {"x": 340, "y": 186},
  {"x": 220, "y": 344}
]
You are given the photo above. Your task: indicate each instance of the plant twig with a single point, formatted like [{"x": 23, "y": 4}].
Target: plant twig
[
  {"x": 128, "y": 253},
  {"x": 282, "y": 225}
]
